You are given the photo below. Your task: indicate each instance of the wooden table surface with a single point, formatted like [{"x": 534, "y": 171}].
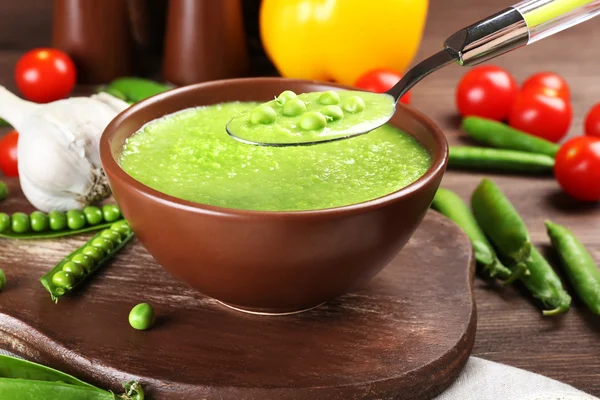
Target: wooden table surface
[{"x": 510, "y": 329}]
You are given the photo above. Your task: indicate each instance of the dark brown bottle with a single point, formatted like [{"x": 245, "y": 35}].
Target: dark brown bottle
[
  {"x": 205, "y": 40},
  {"x": 96, "y": 34}
]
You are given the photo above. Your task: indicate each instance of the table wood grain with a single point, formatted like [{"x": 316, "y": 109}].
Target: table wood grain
[{"x": 510, "y": 328}]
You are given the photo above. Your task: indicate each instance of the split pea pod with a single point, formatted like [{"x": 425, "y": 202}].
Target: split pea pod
[
  {"x": 543, "y": 284},
  {"x": 468, "y": 157},
  {"x": 25, "y": 389},
  {"x": 497, "y": 134},
  {"x": 580, "y": 268},
  {"x": 452, "y": 206},
  {"x": 500, "y": 221},
  {"x": 83, "y": 262}
]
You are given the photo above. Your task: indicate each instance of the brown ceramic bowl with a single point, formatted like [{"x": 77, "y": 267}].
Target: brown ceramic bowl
[{"x": 273, "y": 262}]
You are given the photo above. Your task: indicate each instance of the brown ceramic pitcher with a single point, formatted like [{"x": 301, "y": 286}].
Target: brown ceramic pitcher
[{"x": 204, "y": 41}]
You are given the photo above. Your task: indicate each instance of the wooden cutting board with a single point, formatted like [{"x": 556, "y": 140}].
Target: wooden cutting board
[{"x": 405, "y": 336}]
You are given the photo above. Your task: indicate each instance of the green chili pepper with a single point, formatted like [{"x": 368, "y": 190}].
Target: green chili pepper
[
  {"x": 59, "y": 281},
  {"x": 467, "y": 157},
  {"x": 3, "y": 191},
  {"x": 135, "y": 89},
  {"x": 578, "y": 264},
  {"x": 497, "y": 134},
  {"x": 543, "y": 283},
  {"x": 501, "y": 222},
  {"x": 452, "y": 206}
]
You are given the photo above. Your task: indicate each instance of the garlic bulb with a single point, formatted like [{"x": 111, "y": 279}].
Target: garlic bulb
[{"x": 58, "y": 150}]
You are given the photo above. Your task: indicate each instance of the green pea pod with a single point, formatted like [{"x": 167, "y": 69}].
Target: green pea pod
[
  {"x": 578, "y": 264},
  {"x": 12, "y": 367},
  {"x": 54, "y": 234},
  {"x": 96, "y": 252},
  {"x": 543, "y": 283},
  {"x": 501, "y": 222},
  {"x": 497, "y": 134},
  {"x": 25, "y": 389},
  {"x": 478, "y": 158},
  {"x": 451, "y": 205},
  {"x": 135, "y": 89}
]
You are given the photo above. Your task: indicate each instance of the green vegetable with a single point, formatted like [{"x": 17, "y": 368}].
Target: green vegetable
[
  {"x": 333, "y": 112},
  {"x": 142, "y": 317},
  {"x": 4, "y": 222},
  {"x": 89, "y": 257},
  {"x": 293, "y": 107},
  {"x": 16, "y": 368},
  {"x": 76, "y": 219},
  {"x": 329, "y": 97},
  {"x": 2, "y": 280},
  {"x": 354, "y": 104},
  {"x": 133, "y": 89},
  {"x": 285, "y": 96},
  {"x": 75, "y": 269},
  {"x": 103, "y": 244},
  {"x": 578, "y": 264},
  {"x": 543, "y": 283},
  {"x": 58, "y": 220},
  {"x": 93, "y": 215},
  {"x": 497, "y": 134},
  {"x": 20, "y": 222},
  {"x": 39, "y": 221},
  {"x": 263, "y": 115},
  {"x": 313, "y": 121},
  {"x": 3, "y": 191},
  {"x": 3, "y": 123},
  {"x": 111, "y": 235},
  {"x": 501, "y": 222},
  {"x": 111, "y": 212},
  {"x": 467, "y": 157},
  {"x": 451, "y": 205}
]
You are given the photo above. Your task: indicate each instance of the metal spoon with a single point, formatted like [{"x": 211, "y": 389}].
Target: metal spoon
[{"x": 514, "y": 27}]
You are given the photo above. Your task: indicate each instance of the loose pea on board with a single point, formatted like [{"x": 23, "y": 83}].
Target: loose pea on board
[{"x": 142, "y": 317}]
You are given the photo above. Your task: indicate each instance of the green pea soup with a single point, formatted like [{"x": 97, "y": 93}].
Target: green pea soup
[{"x": 189, "y": 155}]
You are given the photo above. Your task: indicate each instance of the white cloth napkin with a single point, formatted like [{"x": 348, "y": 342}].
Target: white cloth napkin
[{"x": 487, "y": 380}]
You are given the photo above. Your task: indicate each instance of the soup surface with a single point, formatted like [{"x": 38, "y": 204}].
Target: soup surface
[{"x": 190, "y": 156}]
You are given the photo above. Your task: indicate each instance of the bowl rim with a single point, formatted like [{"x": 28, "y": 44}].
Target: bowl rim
[{"x": 109, "y": 162}]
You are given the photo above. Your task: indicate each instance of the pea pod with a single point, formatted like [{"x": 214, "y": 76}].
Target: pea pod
[
  {"x": 501, "y": 222},
  {"x": 497, "y": 134},
  {"x": 133, "y": 89},
  {"x": 451, "y": 205},
  {"x": 543, "y": 283},
  {"x": 468, "y": 157},
  {"x": 580, "y": 268},
  {"x": 91, "y": 256}
]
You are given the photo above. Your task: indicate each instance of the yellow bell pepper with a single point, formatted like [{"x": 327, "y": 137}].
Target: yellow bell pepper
[{"x": 339, "y": 40}]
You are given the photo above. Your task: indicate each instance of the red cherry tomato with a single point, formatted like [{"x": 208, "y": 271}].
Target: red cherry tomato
[
  {"x": 547, "y": 83},
  {"x": 45, "y": 75},
  {"x": 379, "y": 81},
  {"x": 577, "y": 168},
  {"x": 592, "y": 121},
  {"x": 540, "y": 115},
  {"x": 8, "y": 154},
  {"x": 487, "y": 92}
]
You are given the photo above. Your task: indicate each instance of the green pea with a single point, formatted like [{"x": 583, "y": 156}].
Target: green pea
[
  {"x": 103, "y": 244},
  {"x": 111, "y": 235},
  {"x": 39, "y": 221},
  {"x": 58, "y": 220},
  {"x": 20, "y": 222},
  {"x": 333, "y": 112},
  {"x": 63, "y": 279},
  {"x": 95, "y": 253},
  {"x": 354, "y": 104},
  {"x": 111, "y": 212},
  {"x": 293, "y": 107},
  {"x": 74, "y": 269},
  {"x": 4, "y": 222},
  {"x": 3, "y": 190},
  {"x": 75, "y": 219},
  {"x": 93, "y": 215},
  {"x": 142, "y": 317},
  {"x": 122, "y": 227},
  {"x": 285, "y": 96},
  {"x": 313, "y": 121},
  {"x": 329, "y": 97},
  {"x": 84, "y": 260},
  {"x": 2, "y": 280},
  {"x": 263, "y": 115}
]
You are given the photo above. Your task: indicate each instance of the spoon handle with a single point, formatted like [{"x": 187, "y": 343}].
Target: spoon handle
[{"x": 522, "y": 24}]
